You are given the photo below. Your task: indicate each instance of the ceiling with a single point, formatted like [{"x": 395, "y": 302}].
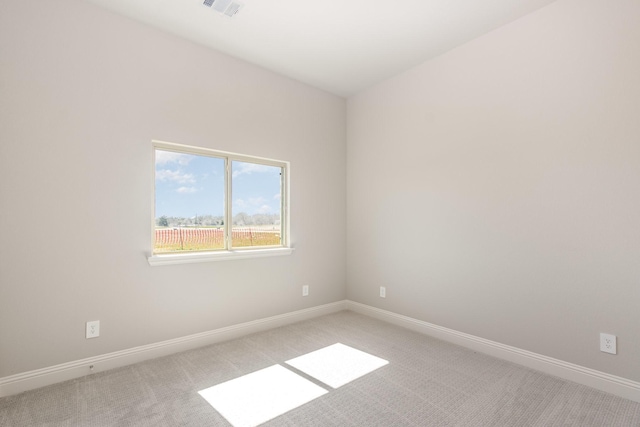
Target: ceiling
[{"x": 338, "y": 46}]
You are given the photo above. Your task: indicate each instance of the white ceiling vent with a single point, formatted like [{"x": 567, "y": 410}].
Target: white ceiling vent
[
  {"x": 233, "y": 8},
  {"x": 225, "y": 7}
]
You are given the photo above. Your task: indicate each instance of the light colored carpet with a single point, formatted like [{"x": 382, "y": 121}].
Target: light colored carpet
[
  {"x": 255, "y": 398},
  {"x": 337, "y": 364},
  {"x": 427, "y": 382}
]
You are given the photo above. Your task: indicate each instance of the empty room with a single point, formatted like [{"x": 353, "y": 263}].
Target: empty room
[{"x": 296, "y": 213}]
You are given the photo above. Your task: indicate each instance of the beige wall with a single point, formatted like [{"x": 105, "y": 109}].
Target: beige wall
[
  {"x": 495, "y": 190},
  {"x": 82, "y": 94}
]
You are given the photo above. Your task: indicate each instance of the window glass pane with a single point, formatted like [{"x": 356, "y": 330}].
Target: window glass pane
[
  {"x": 189, "y": 210},
  {"x": 256, "y": 205}
]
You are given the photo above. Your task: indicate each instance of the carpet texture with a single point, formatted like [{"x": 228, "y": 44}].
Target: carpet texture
[{"x": 427, "y": 382}]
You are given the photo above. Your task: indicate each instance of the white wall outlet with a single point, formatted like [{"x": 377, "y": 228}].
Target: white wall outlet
[
  {"x": 383, "y": 292},
  {"x": 305, "y": 291},
  {"x": 93, "y": 329},
  {"x": 608, "y": 343}
]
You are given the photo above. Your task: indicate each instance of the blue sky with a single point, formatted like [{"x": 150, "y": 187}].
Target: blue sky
[{"x": 188, "y": 185}]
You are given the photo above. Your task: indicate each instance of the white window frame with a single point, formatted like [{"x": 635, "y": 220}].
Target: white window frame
[{"x": 229, "y": 253}]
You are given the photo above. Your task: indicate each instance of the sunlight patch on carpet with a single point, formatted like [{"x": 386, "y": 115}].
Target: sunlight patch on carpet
[
  {"x": 260, "y": 396},
  {"x": 337, "y": 364}
]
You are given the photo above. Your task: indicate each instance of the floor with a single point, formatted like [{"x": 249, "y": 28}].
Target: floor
[{"x": 425, "y": 382}]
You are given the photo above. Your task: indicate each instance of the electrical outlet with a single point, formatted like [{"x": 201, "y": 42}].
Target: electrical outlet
[
  {"x": 608, "y": 343},
  {"x": 93, "y": 329},
  {"x": 383, "y": 292},
  {"x": 305, "y": 291}
]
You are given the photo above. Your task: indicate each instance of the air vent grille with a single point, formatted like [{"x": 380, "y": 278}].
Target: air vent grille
[
  {"x": 225, "y": 7},
  {"x": 221, "y": 5},
  {"x": 233, "y": 8}
]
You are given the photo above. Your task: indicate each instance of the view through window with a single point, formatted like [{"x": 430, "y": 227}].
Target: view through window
[{"x": 208, "y": 200}]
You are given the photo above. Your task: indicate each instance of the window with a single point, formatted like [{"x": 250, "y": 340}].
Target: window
[{"x": 214, "y": 205}]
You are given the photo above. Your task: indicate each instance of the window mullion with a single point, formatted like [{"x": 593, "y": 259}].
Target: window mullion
[
  {"x": 228, "y": 226},
  {"x": 283, "y": 208}
]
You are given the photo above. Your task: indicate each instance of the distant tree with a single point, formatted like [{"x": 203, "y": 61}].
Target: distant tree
[
  {"x": 163, "y": 221},
  {"x": 242, "y": 219}
]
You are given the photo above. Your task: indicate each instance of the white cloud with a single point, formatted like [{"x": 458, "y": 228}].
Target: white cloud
[
  {"x": 255, "y": 201},
  {"x": 250, "y": 202},
  {"x": 252, "y": 205},
  {"x": 175, "y": 176},
  {"x": 249, "y": 168},
  {"x": 277, "y": 196},
  {"x": 240, "y": 204},
  {"x": 186, "y": 190},
  {"x": 164, "y": 157}
]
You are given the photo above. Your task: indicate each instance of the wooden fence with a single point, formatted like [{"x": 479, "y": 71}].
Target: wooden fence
[{"x": 202, "y": 239}]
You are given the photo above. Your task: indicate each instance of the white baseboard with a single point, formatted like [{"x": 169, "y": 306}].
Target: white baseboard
[
  {"x": 42, "y": 377},
  {"x": 590, "y": 377}
]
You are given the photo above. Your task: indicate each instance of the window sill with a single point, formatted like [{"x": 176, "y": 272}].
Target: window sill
[{"x": 188, "y": 258}]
